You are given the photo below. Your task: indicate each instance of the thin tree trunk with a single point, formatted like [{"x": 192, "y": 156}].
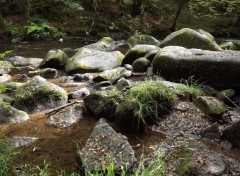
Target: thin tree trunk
[
  {"x": 2, "y": 23},
  {"x": 26, "y": 9},
  {"x": 136, "y": 7}
]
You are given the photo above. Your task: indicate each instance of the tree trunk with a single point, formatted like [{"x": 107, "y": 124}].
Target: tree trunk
[
  {"x": 136, "y": 7},
  {"x": 2, "y": 24},
  {"x": 26, "y": 9}
]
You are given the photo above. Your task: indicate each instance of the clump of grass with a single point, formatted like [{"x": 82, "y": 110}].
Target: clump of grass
[{"x": 7, "y": 154}]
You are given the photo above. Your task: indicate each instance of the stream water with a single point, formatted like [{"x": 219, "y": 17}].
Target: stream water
[{"x": 58, "y": 146}]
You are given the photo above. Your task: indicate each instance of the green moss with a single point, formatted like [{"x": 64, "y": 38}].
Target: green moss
[
  {"x": 6, "y": 108},
  {"x": 106, "y": 39},
  {"x": 5, "y": 67}
]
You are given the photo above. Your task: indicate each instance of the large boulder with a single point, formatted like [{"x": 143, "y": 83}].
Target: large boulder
[
  {"x": 19, "y": 61},
  {"x": 232, "y": 133},
  {"x": 5, "y": 67},
  {"x": 55, "y": 59},
  {"x": 39, "y": 94},
  {"x": 104, "y": 147},
  {"x": 88, "y": 60},
  {"x": 141, "y": 65},
  {"x": 136, "y": 52},
  {"x": 190, "y": 38},
  {"x": 215, "y": 68},
  {"x": 8, "y": 114},
  {"x": 137, "y": 39}
]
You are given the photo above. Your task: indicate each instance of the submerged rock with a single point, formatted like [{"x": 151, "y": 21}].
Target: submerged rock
[
  {"x": 88, "y": 60},
  {"x": 104, "y": 147},
  {"x": 211, "y": 67},
  {"x": 39, "y": 94},
  {"x": 190, "y": 38},
  {"x": 8, "y": 114},
  {"x": 55, "y": 59},
  {"x": 21, "y": 141}
]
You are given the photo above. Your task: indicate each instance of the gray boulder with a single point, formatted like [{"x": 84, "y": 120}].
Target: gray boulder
[
  {"x": 190, "y": 38},
  {"x": 217, "y": 68},
  {"x": 137, "y": 52},
  {"x": 141, "y": 65},
  {"x": 55, "y": 59},
  {"x": 79, "y": 93},
  {"x": 105, "y": 146},
  {"x": 49, "y": 73},
  {"x": 5, "y": 67},
  {"x": 5, "y": 77},
  {"x": 88, "y": 60},
  {"x": 137, "y": 39},
  {"x": 8, "y": 114},
  {"x": 232, "y": 133},
  {"x": 39, "y": 94},
  {"x": 19, "y": 61}
]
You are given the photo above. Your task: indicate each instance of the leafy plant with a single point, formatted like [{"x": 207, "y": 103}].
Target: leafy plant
[
  {"x": 3, "y": 88},
  {"x": 4, "y": 54}
]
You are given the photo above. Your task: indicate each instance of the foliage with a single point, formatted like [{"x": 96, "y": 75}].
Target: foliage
[
  {"x": 4, "y": 54},
  {"x": 7, "y": 154},
  {"x": 39, "y": 31},
  {"x": 3, "y": 88}
]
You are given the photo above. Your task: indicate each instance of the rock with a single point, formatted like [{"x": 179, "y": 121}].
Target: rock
[
  {"x": 103, "y": 147},
  {"x": 190, "y": 38},
  {"x": 128, "y": 67},
  {"x": 101, "y": 84},
  {"x": 82, "y": 77},
  {"x": 137, "y": 52},
  {"x": 88, "y": 60},
  {"x": 66, "y": 116},
  {"x": 212, "y": 132},
  {"x": 226, "y": 96},
  {"x": 232, "y": 133},
  {"x": 8, "y": 114},
  {"x": 55, "y": 59},
  {"x": 79, "y": 93},
  {"x": 6, "y": 99},
  {"x": 38, "y": 94},
  {"x": 210, "y": 106},
  {"x": 21, "y": 141},
  {"x": 150, "y": 55},
  {"x": 122, "y": 83},
  {"x": 210, "y": 67},
  {"x": 141, "y": 65},
  {"x": 12, "y": 86},
  {"x": 65, "y": 79},
  {"x": 19, "y": 61},
  {"x": 4, "y": 78},
  {"x": 137, "y": 39},
  {"x": 5, "y": 67},
  {"x": 228, "y": 46},
  {"x": 102, "y": 103},
  {"x": 49, "y": 73},
  {"x": 112, "y": 75}
]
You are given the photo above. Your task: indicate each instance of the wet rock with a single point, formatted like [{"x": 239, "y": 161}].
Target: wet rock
[
  {"x": 102, "y": 84},
  {"x": 21, "y": 141},
  {"x": 82, "y": 77},
  {"x": 112, "y": 75},
  {"x": 190, "y": 38},
  {"x": 66, "y": 116},
  {"x": 211, "y": 67},
  {"x": 141, "y": 65},
  {"x": 128, "y": 67},
  {"x": 232, "y": 133},
  {"x": 19, "y": 61},
  {"x": 79, "y": 93},
  {"x": 102, "y": 103},
  {"x": 55, "y": 59},
  {"x": 5, "y": 77},
  {"x": 122, "y": 83},
  {"x": 212, "y": 132},
  {"x": 49, "y": 73},
  {"x": 105, "y": 146},
  {"x": 88, "y": 60},
  {"x": 137, "y": 52},
  {"x": 5, "y": 67},
  {"x": 210, "y": 106},
  {"x": 226, "y": 96},
  {"x": 137, "y": 39},
  {"x": 8, "y": 114},
  {"x": 39, "y": 94}
]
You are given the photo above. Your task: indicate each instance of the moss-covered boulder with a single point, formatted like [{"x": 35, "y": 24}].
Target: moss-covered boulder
[
  {"x": 190, "y": 38},
  {"x": 103, "y": 103},
  {"x": 5, "y": 67},
  {"x": 141, "y": 65},
  {"x": 137, "y": 39},
  {"x": 137, "y": 52},
  {"x": 150, "y": 55},
  {"x": 113, "y": 74},
  {"x": 88, "y": 60},
  {"x": 220, "y": 69},
  {"x": 232, "y": 133},
  {"x": 55, "y": 59},
  {"x": 210, "y": 106},
  {"x": 12, "y": 86},
  {"x": 228, "y": 46},
  {"x": 39, "y": 94},
  {"x": 227, "y": 96},
  {"x": 103, "y": 148},
  {"x": 8, "y": 114},
  {"x": 49, "y": 73},
  {"x": 6, "y": 98},
  {"x": 19, "y": 61}
]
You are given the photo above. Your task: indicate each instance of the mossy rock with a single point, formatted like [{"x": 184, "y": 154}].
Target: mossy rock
[
  {"x": 89, "y": 60},
  {"x": 12, "y": 86},
  {"x": 232, "y": 133},
  {"x": 49, "y": 73},
  {"x": 38, "y": 94},
  {"x": 55, "y": 59},
  {"x": 141, "y": 65},
  {"x": 210, "y": 106},
  {"x": 137, "y": 39},
  {"x": 228, "y": 46},
  {"x": 8, "y": 114},
  {"x": 5, "y": 67},
  {"x": 190, "y": 38},
  {"x": 150, "y": 55},
  {"x": 102, "y": 84},
  {"x": 226, "y": 96},
  {"x": 137, "y": 52}
]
